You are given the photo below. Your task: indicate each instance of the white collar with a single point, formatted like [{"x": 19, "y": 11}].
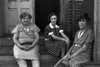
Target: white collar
[
  {"x": 51, "y": 26},
  {"x": 80, "y": 34}
]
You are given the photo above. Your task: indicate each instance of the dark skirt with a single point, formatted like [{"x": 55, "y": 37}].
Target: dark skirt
[{"x": 55, "y": 47}]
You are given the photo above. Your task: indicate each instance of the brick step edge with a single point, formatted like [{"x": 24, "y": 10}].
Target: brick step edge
[
  {"x": 7, "y": 61},
  {"x": 42, "y": 57},
  {"x": 90, "y": 64},
  {"x": 9, "y": 41}
]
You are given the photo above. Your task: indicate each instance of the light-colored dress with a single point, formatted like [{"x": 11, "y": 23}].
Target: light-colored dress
[{"x": 26, "y": 36}]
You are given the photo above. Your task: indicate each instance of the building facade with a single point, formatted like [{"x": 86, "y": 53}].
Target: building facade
[{"x": 67, "y": 10}]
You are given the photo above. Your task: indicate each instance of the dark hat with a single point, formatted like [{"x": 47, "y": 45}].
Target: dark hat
[{"x": 84, "y": 16}]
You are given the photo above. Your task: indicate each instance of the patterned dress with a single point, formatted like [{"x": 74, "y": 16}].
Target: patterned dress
[
  {"x": 85, "y": 56},
  {"x": 23, "y": 37},
  {"x": 53, "y": 46}
]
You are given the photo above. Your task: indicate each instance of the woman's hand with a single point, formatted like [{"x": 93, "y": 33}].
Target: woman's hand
[
  {"x": 57, "y": 64},
  {"x": 24, "y": 47},
  {"x": 79, "y": 51},
  {"x": 30, "y": 46},
  {"x": 67, "y": 41},
  {"x": 66, "y": 57},
  {"x": 65, "y": 37},
  {"x": 27, "y": 47},
  {"x": 72, "y": 56}
]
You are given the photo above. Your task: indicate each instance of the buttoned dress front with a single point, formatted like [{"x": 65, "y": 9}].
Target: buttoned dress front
[{"x": 26, "y": 36}]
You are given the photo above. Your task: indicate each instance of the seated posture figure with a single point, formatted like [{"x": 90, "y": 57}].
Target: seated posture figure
[
  {"x": 55, "y": 40},
  {"x": 25, "y": 38},
  {"x": 80, "y": 52}
]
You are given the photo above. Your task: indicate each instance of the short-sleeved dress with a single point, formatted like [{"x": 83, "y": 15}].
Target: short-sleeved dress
[
  {"x": 85, "y": 39},
  {"x": 53, "y": 46},
  {"x": 23, "y": 37}
]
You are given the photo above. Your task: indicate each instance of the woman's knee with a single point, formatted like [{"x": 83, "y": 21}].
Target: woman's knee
[
  {"x": 22, "y": 63},
  {"x": 65, "y": 63},
  {"x": 62, "y": 65},
  {"x": 74, "y": 64},
  {"x": 35, "y": 63}
]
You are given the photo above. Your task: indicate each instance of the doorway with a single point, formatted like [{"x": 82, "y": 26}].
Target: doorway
[
  {"x": 13, "y": 9},
  {"x": 71, "y": 10},
  {"x": 42, "y": 10}
]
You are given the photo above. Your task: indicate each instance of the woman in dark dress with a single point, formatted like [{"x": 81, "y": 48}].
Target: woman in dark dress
[
  {"x": 55, "y": 39},
  {"x": 80, "y": 52}
]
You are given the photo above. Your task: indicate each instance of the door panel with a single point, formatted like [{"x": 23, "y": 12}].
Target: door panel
[
  {"x": 12, "y": 4},
  {"x": 12, "y": 15},
  {"x": 25, "y": 10},
  {"x": 13, "y": 9}
]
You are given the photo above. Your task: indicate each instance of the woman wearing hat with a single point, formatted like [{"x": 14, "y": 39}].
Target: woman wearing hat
[{"x": 80, "y": 52}]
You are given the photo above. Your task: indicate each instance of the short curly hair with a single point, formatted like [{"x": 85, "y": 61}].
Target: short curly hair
[{"x": 24, "y": 14}]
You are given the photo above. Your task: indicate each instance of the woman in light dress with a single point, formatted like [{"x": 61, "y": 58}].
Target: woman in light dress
[{"x": 25, "y": 37}]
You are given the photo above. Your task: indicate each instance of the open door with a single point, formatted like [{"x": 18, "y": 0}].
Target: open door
[{"x": 42, "y": 10}]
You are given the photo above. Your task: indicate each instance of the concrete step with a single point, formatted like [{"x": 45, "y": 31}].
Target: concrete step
[
  {"x": 90, "y": 64},
  {"x": 9, "y": 50},
  {"x": 8, "y": 41},
  {"x": 6, "y": 46},
  {"x": 45, "y": 61}
]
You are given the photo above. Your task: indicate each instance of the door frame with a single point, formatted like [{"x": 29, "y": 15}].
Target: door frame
[
  {"x": 96, "y": 21},
  {"x": 18, "y": 6},
  {"x": 43, "y": 8}
]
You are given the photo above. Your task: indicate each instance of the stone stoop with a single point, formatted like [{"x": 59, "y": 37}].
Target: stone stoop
[
  {"x": 6, "y": 46},
  {"x": 7, "y": 59},
  {"x": 45, "y": 61},
  {"x": 90, "y": 64}
]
